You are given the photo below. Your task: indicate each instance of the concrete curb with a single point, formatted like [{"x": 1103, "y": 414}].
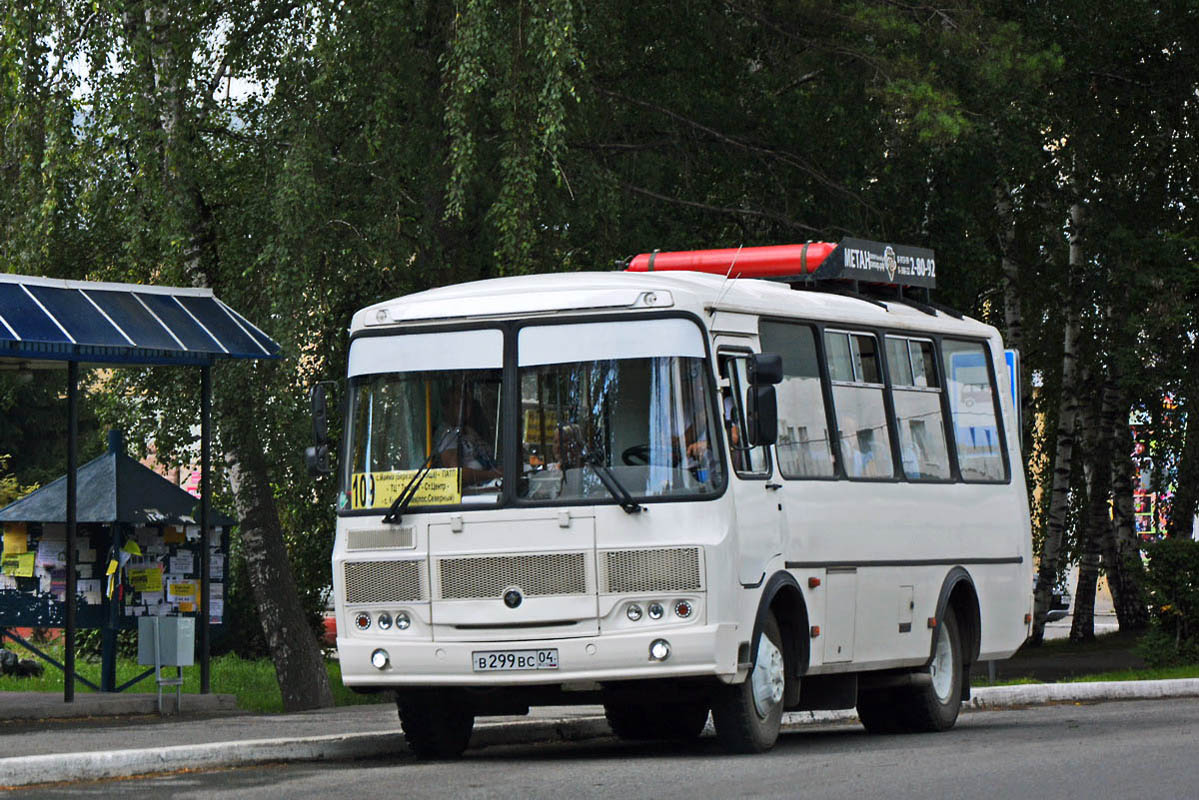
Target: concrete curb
[
  {"x": 1041, "y": 693},
  {"x": 66, "y": 767}
]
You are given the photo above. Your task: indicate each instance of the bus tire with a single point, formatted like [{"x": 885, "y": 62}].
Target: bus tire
[
  {"x": 436, "y": 724},
  {"x": 878, "y": 711},
  {"x": 748, "y": 715},
  {"x": 657, "y": 721},
  {"x": 935, "y": 707}
]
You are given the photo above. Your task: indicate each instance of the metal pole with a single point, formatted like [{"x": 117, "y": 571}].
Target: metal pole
[
  {"x": 68, "y": 685},
  {"x": 205, "y": 551}
]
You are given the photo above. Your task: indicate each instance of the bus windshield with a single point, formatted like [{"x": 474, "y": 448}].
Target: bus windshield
[
  {"x": 447, "y": 420},
  {"x": 647, "y": 421},
  {"x": 607, "y": 411}
]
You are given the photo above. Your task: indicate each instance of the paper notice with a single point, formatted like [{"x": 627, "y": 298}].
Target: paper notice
[
  {"x": 25, "y": 564},
  {"x": 183, "y": 562},
  {"x": 181, "y": 590},
  {"x": 146, "y": 579},
  {"x": 15, "y": 541},
  {"x": 216, "y": 608},
  {"x": 216, "y": 566},
  {"x": 186, "y": 606},
  {"x": 172, "y": 535},
  {"x": 152, "y": 598},
  {"x": 52, "y": 552}
]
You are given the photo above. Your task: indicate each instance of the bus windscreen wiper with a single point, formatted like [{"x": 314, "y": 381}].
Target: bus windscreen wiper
[
  {"x": 404, "y": 498},
  {"x": 610, "y": 482}
]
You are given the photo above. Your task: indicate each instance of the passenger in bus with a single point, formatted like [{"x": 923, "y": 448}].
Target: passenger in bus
[{"x": 459, "y": 444}]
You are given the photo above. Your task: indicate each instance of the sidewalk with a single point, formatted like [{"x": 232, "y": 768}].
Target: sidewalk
[{"x": 96, "y": 747}]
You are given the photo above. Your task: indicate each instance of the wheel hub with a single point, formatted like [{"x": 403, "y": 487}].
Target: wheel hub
[
  {"x": 942, "y": 667},
  {"x": 767, "y": 679}
]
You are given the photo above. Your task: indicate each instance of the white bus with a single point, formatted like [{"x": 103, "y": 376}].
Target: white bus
[{"x": 674, "y": 493}]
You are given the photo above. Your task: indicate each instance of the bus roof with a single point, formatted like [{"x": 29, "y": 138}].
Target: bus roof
[{"x": 612, "y": 292}]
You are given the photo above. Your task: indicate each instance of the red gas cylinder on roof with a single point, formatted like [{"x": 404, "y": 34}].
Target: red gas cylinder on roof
[{"x": 778, "y": 261}]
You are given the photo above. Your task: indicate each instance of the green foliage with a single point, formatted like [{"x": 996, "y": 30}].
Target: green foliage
[
  {"x": 10, "y": 488},
  {"x": 1172, "y": 586}
]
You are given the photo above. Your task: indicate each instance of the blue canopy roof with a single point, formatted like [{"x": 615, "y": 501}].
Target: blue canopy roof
[{"x": 120, "y": 323}]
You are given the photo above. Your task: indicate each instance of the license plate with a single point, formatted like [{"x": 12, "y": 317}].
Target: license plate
[{"x": 504, "y": 660}]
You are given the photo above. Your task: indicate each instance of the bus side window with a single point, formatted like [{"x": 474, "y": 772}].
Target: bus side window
[
  {"x": 853, "y": 363},
  {"x": 972, "y": 406},
  {"x": 746, "y": 460},
  {"x": 916, "y": 394},
  {"x": 804, "y": 448}
]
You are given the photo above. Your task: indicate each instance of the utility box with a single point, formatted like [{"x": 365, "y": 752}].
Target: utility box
[{"x": 176, "y": 641}]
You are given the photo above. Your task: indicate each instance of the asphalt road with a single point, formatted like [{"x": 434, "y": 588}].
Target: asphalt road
[{"x": 1143, "y": 749}]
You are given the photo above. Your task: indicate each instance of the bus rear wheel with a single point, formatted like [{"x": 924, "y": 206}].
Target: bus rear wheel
[
  {"x": 935, "y": 707},
  {"x": 436, "y": 724},
  {"x": 748, "y": 715},
  {"x": 657, "y": 721}
]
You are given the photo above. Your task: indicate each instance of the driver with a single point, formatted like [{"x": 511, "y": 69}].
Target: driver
[{"x": 458, "y": 445}]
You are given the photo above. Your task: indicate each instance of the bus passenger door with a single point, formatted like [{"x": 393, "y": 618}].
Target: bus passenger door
[{"x": 755, "y": 495}]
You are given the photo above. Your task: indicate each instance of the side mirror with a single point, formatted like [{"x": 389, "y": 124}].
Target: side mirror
[
  {"x": 316, "y": 458},
  {"x": 763, "y": 421},
  {"x": 765, "y": 369},
  {"x": 320, "y": 415}
]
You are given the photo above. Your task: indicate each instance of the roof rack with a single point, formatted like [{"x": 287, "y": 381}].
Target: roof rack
[{"x": 855, "y": 260}]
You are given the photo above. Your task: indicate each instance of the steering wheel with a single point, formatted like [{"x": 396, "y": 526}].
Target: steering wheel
[{"x": 636, "y": 456}]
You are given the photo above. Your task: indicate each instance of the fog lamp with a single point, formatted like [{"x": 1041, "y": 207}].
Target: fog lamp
[
  {"x": 655, "y": 611},
  {"x": 384, "y": 621},
  {"x": 402, "y": 620},
  {"x": 683, "y": 609},
  {"x": 659, "y": 650},
  {"x": 379, "y": 658},
  {"x": 633, "y": 612},
  {"x": 362, "y": 620}
]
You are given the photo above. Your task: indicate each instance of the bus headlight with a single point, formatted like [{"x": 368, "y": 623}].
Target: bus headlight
[
  {"x": 384, "y": 621},
  {"x": 402, "y": 620},
  {"x": 362, "y": 620},
  {"x": 659, "y": 650},
  {"x": 379, "y": 658},
  {"x": 683, "y": 609},
  {"x": 655, "y": 611},
  {"x": 633, "y": 612}
]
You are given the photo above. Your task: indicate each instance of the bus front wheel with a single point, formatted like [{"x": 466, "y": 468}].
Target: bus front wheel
[
  {"x": 436, "y": 724},
  {"x": 748, "y": 715}
]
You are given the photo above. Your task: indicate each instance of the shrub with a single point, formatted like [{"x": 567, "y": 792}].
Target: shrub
[{"x": 1172, "y": 588}]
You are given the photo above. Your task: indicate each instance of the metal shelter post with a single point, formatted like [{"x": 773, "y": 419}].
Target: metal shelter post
[
  {"x": 68, "y": 685},
  {"x": 205, "y": 551}
]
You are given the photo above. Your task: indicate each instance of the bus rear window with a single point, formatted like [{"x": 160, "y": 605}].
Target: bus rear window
[{"x": 972, "y": 406}]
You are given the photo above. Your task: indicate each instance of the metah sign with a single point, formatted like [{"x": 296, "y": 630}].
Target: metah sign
[{"x": 877, "y": 262}]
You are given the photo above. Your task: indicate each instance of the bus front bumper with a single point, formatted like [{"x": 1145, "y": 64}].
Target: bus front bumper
[{"x": 694, "y": 650}]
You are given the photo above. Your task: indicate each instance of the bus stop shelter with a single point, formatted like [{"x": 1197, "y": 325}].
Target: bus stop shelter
[{"x": 48, "y": 323}]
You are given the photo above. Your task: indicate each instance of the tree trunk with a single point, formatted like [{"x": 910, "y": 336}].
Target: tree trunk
[
  {"x": 299, "y": 666},
  {"x": 1013, "y": 311},
  {"x": 1122, "y": 549},
  {"x": 1064, "y": 455},
  {"x": 1097, "y": 525},
  {"x": 1186, "y": 498}
]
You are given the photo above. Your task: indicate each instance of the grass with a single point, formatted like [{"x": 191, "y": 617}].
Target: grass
[
  {"x": 1146, "y": 674},
  {"x": 252, "y": 682}
]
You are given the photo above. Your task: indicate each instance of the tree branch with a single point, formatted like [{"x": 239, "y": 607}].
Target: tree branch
[
  {"x": 737, "y": 212},
  {"x": 790, "y": 159}
]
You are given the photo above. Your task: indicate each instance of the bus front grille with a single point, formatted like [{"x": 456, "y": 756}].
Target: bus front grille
[
  {"x": 385, "y": 581},
  {"x": 543, "y": 574},
  {"x": 675, "y": 569}
]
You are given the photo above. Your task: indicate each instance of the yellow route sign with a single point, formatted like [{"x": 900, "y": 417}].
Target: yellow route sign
[{"x": 440, "y": 487}]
